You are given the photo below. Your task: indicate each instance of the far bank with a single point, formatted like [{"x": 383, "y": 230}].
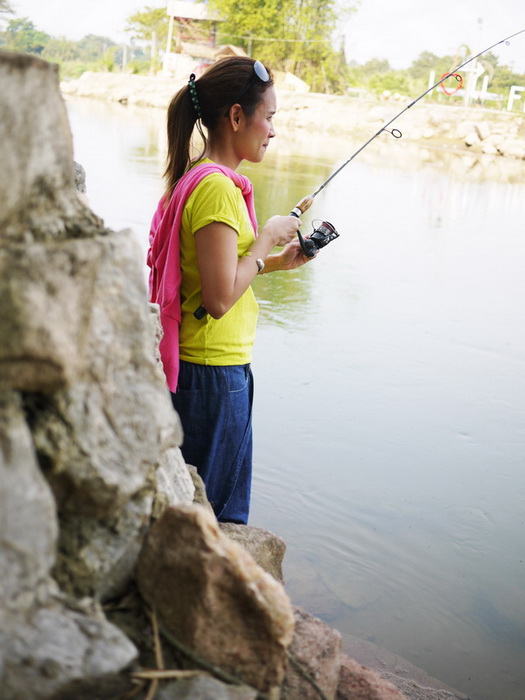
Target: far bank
[{"x": 474, "y": 129}]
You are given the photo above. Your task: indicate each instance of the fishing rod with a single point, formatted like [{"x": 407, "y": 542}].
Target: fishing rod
[{"x": 326, "y": 233}]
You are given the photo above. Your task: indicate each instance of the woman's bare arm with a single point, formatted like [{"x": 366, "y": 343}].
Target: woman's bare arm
[{"x": 225, "y": 277}]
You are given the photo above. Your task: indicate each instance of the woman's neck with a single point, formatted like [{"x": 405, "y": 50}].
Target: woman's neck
[{"x": 221, "y": 151}]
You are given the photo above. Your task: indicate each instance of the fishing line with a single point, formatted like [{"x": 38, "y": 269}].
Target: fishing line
[
  {"x": 395, "y": 132},
  {"x": 326, "y": 233}
]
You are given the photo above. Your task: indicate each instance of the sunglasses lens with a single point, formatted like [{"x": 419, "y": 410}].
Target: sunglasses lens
[{"x": 261, "y": 72}]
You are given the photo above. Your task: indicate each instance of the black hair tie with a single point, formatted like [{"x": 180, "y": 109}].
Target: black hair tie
[{"x": 193, "y": 95}]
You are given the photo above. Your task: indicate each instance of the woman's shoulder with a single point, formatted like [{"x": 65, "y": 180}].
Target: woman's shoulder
[
  {"x": 216, "y": 175},
  {"x": 216, "y": 185}
]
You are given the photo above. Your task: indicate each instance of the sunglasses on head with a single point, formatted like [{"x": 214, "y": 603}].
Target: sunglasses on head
[{"x": 259, "y": 73}]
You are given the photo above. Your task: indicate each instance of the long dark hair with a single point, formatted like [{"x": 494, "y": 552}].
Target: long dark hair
[{"x": 217, "y": 89}]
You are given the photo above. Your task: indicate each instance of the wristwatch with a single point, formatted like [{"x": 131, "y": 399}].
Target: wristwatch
[{"x": 259, "y": 262}]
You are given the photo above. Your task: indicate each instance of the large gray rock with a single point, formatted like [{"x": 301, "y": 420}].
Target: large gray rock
[
  {"x": 45, "y": 646},
  {"x": 199, "y": 496},
  {"x": 89, "y": 441},
  {"x": 80, "y": 342},
  {"x": 210, "y": 595},
  {"x": 28, "y": 519},
  {"x": 59, "y": 652},
  {"x": 36, "y": 178},
  {"x": 111, "y": 438},
  {"x": 42, "y": 323}
]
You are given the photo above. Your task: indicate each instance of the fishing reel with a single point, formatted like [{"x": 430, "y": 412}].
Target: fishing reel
[{"x": 321, "y": 237}]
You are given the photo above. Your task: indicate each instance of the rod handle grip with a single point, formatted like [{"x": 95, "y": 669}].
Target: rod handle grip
[{"x": 304, "y": 205}]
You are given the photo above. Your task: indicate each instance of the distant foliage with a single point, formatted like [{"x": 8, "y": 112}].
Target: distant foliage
[
  {"x": 152, "y": 21},
  {"x": 74, "y": 57},
  {"x": 377, "y": 76},
  {"x": 298, "y": 36},
  {"x": 58, "y": 49},
  {"x": 21, "y": 35},
  {"x": 93, "y": 47}
]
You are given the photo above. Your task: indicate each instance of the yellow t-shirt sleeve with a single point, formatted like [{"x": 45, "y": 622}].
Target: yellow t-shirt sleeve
[{"x": 216, "y": 198}]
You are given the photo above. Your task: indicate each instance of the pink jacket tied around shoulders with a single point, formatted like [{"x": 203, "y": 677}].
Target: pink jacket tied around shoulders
[{"x": 164, "y": 258}]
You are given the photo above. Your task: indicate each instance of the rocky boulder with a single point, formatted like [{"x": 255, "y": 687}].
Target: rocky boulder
[
  {"x": 212, "y": 596},
  {"x": 359, "y": 683},
  {"x": 48, "y": 643},
  {"x": 266, "y": 548},
  {"x": 315, "y": 660},
  {"x": 88, "y": 436}
]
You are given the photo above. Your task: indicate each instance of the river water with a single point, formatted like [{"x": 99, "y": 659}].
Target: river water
[{"x": 390, "y": 386}]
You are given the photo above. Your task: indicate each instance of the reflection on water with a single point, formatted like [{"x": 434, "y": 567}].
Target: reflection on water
[{"x": 390, "y": 398}]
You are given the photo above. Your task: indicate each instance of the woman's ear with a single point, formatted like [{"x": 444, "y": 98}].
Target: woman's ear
[{"x": 235, "y": 115}]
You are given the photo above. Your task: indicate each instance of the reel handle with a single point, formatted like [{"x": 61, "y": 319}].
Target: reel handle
[{"x": 308, "y": 248}]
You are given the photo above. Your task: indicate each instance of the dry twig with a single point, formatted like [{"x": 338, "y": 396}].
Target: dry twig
[{"x": 148, "y": 674}]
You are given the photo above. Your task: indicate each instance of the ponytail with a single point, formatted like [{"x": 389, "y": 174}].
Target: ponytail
[{"x": 182, "y": 117}]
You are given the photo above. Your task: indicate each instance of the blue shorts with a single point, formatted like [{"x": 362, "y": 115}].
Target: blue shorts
[{"x": 215, "y": 408}]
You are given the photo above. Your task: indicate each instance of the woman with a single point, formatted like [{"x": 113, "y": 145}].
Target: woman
[{"x": 204, "y": 254}]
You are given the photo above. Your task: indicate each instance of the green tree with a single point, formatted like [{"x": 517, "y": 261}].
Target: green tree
[
  {"x": 425, "y": 62},
  {"x": 150, "y": 27},
  {"x": 246, "y": 21},
  {"x": 60, "y": 49},
  {"x": 21, "y": 35},
  {"x": 393, "y": 81},
  {"x": 290, "y": 35},
  {"x": 377, "y": 76},
  {"x": 376, "y": 65},
  {"x": 93, "y": 47},
  {"x": 504, "y": 78},
  {"x": 151, "y": 21},
  {"x": 110, "y": 58}
]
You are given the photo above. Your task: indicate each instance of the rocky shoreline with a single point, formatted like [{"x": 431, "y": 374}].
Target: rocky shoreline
[
  {"x": 469, "y": 130},
  {"x": 116, "y": 578}
]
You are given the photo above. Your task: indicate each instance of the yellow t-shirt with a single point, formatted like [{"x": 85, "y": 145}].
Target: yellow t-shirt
[{"x": 228, "y": 340}]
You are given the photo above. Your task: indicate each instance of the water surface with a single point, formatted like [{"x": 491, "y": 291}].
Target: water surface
[{"x": 390, "y": 390}]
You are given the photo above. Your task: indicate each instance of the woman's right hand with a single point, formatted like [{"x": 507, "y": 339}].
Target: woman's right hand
[{"x": 280, "y": 230}]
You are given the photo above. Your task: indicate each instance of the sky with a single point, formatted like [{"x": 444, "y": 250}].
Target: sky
[{"x": 398, "y": 30}]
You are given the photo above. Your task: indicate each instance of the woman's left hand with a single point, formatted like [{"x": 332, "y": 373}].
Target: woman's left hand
[{"x": 292, "y": 256}]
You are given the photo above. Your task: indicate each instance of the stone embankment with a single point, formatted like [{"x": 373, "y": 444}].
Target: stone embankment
[
  {"x": 482, "y": 131},
  {"x": 115, "y": 578}
]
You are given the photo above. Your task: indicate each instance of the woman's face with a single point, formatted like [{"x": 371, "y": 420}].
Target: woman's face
[{"x": 258, "y": 128}]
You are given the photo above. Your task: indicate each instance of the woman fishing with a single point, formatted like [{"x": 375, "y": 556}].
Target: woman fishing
[{"x": 205, "y": 251}]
